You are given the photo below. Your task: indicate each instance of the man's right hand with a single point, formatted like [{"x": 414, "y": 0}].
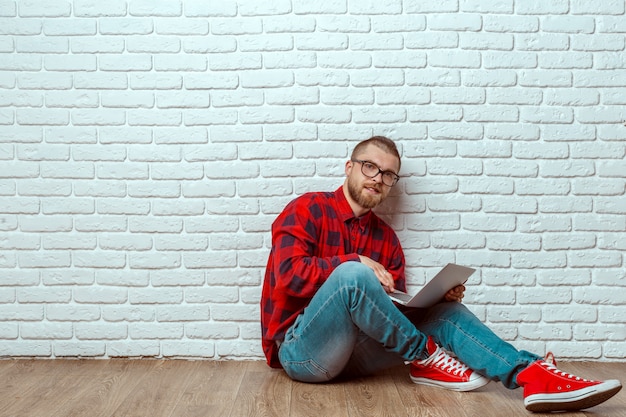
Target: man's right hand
[{"x": 385, "y": 277}]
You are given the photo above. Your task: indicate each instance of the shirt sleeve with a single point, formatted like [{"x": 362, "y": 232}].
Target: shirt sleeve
[{"x": 300, "y": 265}]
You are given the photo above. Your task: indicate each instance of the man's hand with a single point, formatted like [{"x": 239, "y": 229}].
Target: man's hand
[
  {"x": 385, "y": 278},
  {"x": 455, "y": 294}
]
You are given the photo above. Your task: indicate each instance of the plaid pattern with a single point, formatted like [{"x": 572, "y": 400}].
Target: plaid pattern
[{"x": 313, "y": 235}]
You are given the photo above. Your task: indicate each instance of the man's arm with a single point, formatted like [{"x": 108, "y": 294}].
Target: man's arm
[{"x": 296, "y": 238}]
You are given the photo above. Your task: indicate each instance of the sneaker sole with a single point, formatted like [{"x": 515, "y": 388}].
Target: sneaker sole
[
  {"x": 577, "y": 400},
  {"x": 452, "y": 386}
]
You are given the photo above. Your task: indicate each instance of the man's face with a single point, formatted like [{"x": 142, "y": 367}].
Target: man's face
[{"x": 369, "y": 192}]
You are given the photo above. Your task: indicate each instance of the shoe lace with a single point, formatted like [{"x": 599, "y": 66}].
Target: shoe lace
[
  {"x": 440, "y": 359},
  {"x": 552, "y": 368}
]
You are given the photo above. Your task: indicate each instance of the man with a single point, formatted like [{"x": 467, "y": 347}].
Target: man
[{"x": 325, "y": 311}]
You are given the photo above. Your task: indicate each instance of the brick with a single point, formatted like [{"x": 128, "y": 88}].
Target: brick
[
  {"x": 493, "y": 78},
  {"x": 611, "y": 24},
  {"x": 293, "y": 60},
  {"x": 8, "y": 9},
  {"x": 432, "y": 78},
  {"x": 165, "y": 117},
  {"x": 601, "y": 333},
  {"x": 327, "y": 7},
  {"x": 100, "y": 224},
  {"x": 99, "y": 259},
  {"x": 12, "y": 26},
  {"x": 322, "y": 42},
  {"x": 419, "y": 7},
  {"x": 79, "y": 349},
  {"x": 149, "y": 8},
  {"x": 270, "y": 43},
  {"x": 136, "y": 242},
  {"x": 505, "y": 314},
  {"x": 102, "y": 295},
  {"x": 69, "y": 242},
  {"x": 267, "y": 115},
  {"x": 156, "y": 225},
  {"x": 455, "y": 22},
  {"x": 104, "y": 44},
  {"x": 562, "y": 204},
  {"x": 188, "y": 349},
  {"x": 431, "y": 40},
  {"x": 383, "y": 42},
  {"x": 236, "y": 26},
  {"x": 200, "y": 8},
  {"x": 611, "y": 169},
  {"x": 76, "y": 277},
  {"x": 595, "y": 186},
  {"x": 568, "y": 24},
  {"x": 138, "y": 62},
  {"x": 611, "y": 7},
  {"x": 322, "y": 78},
  {"x": 557, "y": 7},
  {"x": 73, "y": 313},
  {"x": 549, "y": 187},
  {"x": 123, "y": 278},
  {"x": 543, "y": 331},
  {"x": 598, "y": 42},
  {"x": 177, "y": 208},
  {"x": 182, "y": 27},
  {"x": 171, "y": 278},
  {"x": 550, "y": 223},
  {"x": 136, "y": 348},
  {"x": 602, "y": 296},
  {"x": 71, "y": 63},
  {"x": 518, "y": 132},
  {"x": 235, "y": 61},
  {"x": 38, "y": 348},
  {"x": 36, "y": 9},
  {"x": 490, "y": 6}
]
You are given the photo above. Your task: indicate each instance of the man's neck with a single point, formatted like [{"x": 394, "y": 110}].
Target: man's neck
[{"x": 356, "y": 208}]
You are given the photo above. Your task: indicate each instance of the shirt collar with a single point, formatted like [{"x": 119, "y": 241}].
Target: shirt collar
[{"x": 344, "y": 211}]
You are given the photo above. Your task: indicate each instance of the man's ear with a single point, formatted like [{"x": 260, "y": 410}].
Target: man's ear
[{"x": 349, "y": 165}]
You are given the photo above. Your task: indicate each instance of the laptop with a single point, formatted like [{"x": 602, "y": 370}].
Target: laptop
[{"x": 449, "y": 277}]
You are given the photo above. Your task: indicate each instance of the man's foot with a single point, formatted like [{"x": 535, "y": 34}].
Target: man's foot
[
  {"x": 547, "y": 389},
  {"x": 442, "y": 370}
]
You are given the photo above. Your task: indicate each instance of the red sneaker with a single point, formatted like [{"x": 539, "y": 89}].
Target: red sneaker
[
  {"x": 547, "y": 389},
  {"x": 442, "y": 370}
]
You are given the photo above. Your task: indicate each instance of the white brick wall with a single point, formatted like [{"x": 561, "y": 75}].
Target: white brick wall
[{"x": 146, "y": 146}]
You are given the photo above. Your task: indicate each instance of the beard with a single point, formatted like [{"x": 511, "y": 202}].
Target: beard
[{"x": 364, "y": 200}]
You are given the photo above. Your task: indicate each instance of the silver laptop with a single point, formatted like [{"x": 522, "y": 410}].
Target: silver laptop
[{"x": 449, "y": 277}]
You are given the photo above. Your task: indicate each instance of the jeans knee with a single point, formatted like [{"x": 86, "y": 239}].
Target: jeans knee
[
  {"x": 452, "y": 312},
  {"x": 355, "y": 274}
]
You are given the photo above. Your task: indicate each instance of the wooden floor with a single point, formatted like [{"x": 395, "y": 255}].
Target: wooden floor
[{"x": 152, "y": 388}]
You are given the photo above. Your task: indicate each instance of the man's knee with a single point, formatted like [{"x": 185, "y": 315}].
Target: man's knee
[
  {"x": 452, "y": 311},
  {"x": 355, "y": 274}
]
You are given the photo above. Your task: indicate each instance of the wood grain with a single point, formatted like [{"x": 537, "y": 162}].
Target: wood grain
[{"x": 173, "y": 388}]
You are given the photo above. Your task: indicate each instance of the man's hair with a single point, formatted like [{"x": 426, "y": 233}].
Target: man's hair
[{"x": 380, "y": 142}]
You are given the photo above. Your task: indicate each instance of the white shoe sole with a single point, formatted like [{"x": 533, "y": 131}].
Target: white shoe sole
[
  {"x": 574, "y": 400},
  {"x": 453, "y": 386}
]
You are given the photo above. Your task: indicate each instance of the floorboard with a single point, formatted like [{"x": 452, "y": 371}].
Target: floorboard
[{"x": 173, "y": 388}]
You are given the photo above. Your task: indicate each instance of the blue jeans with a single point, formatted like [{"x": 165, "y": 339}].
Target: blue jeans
[{"x": 352, "y": 328}]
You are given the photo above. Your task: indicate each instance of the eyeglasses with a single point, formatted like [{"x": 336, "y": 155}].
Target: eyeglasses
[{"x": 370, "y": 170}]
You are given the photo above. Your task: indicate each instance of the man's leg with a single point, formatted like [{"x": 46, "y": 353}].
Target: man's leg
[
  {"x": 546, "y": 388},
  {"x": 458, "y": 330},
  {"x": 349, "y": 308}
]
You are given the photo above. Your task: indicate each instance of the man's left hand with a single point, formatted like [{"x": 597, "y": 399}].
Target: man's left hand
[{"x": 455, "y": 294}]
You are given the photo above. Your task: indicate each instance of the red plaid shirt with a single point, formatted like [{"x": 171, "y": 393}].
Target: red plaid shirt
[{"x": 313, "y": 235}]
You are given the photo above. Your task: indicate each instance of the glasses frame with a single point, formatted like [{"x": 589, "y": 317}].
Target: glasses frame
[{"x": 396, "y": 177}]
